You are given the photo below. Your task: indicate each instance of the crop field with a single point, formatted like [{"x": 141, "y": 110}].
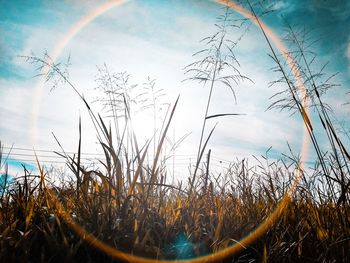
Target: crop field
[{"x": 129, "y": 207}]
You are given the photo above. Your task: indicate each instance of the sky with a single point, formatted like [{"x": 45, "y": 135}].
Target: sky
[{"x": 156, "y": 39}]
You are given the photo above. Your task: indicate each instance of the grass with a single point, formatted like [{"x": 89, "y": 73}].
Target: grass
[
  {"x": 128, "y": 204},
  {"x": 167, "y": 223}
]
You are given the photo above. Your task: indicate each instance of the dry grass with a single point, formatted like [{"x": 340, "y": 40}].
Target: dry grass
[
  {"x": 166, "y": 223},
  {"x": 128, "y": 204}
]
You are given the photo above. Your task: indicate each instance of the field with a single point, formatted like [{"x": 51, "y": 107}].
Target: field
[{"x": 126, "y": 210}]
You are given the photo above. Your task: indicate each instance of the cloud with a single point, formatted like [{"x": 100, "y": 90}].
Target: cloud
[
  {"x": 141, "y": 44},
  {"x": 281, "y": 6}
]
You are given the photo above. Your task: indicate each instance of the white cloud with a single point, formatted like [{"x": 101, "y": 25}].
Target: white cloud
[{"x": 280, "y": 5}]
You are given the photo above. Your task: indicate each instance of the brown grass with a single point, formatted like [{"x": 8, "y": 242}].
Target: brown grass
[{"x": 128, "y": 204}]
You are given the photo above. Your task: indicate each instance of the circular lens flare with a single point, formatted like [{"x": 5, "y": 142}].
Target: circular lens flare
[{"x": 224, "y": 253}]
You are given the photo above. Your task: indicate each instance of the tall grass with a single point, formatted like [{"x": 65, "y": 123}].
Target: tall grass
[
  {"x": 127, "y": 202},
  {"x": 167, "y": 225},
  {"x": 216, "y": 64},
  {"x": 308, "y": 93}
]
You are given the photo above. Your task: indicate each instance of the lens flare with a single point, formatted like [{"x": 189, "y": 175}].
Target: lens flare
[{"x": 224, "y": 253}]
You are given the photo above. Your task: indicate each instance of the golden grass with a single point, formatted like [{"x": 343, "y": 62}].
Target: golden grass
[
  {"x": 128, "y": 205},
  {"x": 311, "y": 228}
]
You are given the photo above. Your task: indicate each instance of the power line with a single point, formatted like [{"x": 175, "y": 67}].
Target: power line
[
  {"x": 43, "y": 156},
  {"x": 185, "y": 156},
  {"x": 47, "y": 151},
  {"x": 34, "y": 161},
  {"x": 32, "y": 155},
  {"x": 176, "y": 159},
  {"x": 10, "y": 154},
  {"x": 65, "y": 162}
]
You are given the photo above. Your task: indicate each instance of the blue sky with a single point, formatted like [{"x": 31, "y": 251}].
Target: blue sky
[{"x": 157, "y": 38}]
